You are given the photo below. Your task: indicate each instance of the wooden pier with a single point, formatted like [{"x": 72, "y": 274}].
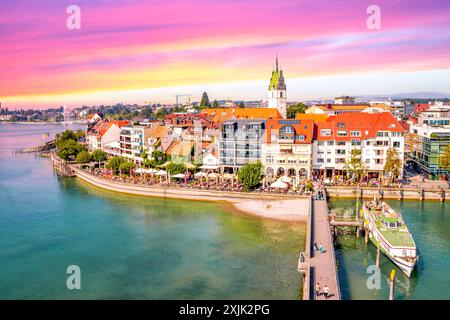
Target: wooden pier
[{"x": 319, "y": 267}]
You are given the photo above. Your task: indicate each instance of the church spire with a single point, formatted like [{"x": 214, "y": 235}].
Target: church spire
[{"x": 276, "y": 62}]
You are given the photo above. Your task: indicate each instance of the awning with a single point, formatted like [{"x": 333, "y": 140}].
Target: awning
[
  {"x": 210, "y": 167},
  {"x": 114, "y": 144},
  {"x": 179, "y": 176}
]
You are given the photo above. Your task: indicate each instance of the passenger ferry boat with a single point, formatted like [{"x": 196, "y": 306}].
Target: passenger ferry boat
[{"x": 389, "y": 230}]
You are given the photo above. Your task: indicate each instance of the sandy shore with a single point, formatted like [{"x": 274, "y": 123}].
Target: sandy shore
[
  {"x": 280, "y": 207},
  {"x": 289, "y": 210}
]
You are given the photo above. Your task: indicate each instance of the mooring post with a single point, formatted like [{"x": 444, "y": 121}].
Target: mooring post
[
  {"x": 392, "y": 285},
  {"x": 377, "y": 263},
  {"x": 421, "y": 194},
  {"x": 442, "y": 194},
  {"x": 366, "y": 239}
]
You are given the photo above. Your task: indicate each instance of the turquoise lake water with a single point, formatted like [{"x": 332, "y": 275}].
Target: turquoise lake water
[
  {"x": 130, "y": 247},
  {"x": 429, "y": 223}
]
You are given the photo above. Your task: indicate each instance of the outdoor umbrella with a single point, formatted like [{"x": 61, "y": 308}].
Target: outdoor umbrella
[{"x": 279, "y": 185}]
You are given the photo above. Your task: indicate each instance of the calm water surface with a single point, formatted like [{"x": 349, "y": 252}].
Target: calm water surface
[
  {"x": 429, "y": 223},
  {"x": 130, "y": 247}
]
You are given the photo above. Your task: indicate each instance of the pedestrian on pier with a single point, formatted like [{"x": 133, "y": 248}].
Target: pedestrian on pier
[
  {"x": 326, "y": 291},
  {"x": 317, "y": 289},
  {"x": 316, "y": 246}
]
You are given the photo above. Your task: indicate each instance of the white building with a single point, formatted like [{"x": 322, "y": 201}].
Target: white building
[{"x": 372, "y": 134}]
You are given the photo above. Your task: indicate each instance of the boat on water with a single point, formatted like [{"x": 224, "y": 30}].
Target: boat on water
[{"x": 388, "y": 230}]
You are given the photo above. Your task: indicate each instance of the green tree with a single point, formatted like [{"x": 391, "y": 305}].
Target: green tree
[
  {"x": 204, "y": 103},
  {"x": 159, "y": 157},
  {"x": 83, "y": 157},
  {"x": 444, "y": 160},
  {"x": 115, "y": 162},
  {"x": 175, "y": 168},
  {"x": 355, "y": 167},
  {"x": 250, "y": 175},
  {"x": 65, "y": 136},
  {"x": 99, "y": 156},
  {"x": 80, "y": 134},
  {"x": 160, "y": 114},
  {"x": 241, "y": 104},
  {"x": 393, "y": 166},
  {"x": 126, "y": 166},
  {"x": 295, "y": 109},
  {"x": 215, "y": 104},
  {"x": 69, "y": 149}
]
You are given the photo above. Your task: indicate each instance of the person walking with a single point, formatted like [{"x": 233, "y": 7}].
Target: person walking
[
  {"x": 317, "y": 289},
  {"x": 326, "y": 291}
]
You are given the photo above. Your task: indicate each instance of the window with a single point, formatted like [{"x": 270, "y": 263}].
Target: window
[
  {"x": 341, "y": 125},
  {"x": 319, "y": 160},
  {"x": 330, "y": 143},
  {"x": 340, "y": 143},
  {"x": 356, "y": 142},
  {"x": 328, "y": 160},
  {"x": 320, "y": 143},
  {"x": 342, "y": 133},
  {"x": 367, "y": 161},
  {"x": 355, "y": 133},
  {"x": 287, "y": 130},
  {"x": 396, "y": 144},
  {"x": 325, "y": 132}
]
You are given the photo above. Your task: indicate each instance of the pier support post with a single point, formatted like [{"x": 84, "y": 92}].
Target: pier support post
[
  {"x": 377, "y": 263},
  {"x": 421, "y": 194},
  {"x": 392, "y": 285},
  {"x": 400, "y": 193},
  {"x": 442, "y": 194},
  {"x": 366, "y": 236}
]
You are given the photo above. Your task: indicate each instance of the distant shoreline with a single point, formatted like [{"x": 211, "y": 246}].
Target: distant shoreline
[{"x": 38, "y": 122}]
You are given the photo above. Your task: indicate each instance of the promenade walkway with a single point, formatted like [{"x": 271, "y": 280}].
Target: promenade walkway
[{"x": 323, "y": 265}]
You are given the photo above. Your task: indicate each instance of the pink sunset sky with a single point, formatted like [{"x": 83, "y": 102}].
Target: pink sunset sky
[{"x": 135, "y": 51}]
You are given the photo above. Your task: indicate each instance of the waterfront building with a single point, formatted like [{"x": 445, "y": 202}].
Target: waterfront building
[
  {"x": 276, "y": 98},
  {"x": 240, "y": 143},
  {"x": 103, "y": 132},
  {"x": 133, "y": 142},
  {"x": 334, "y": 109},
  {"x": 372, "y": 134},
  {"x": 210, "y": 161},
  {"x": 220, "y": 115},
  {"x": 287, "y": 148},
  {"x": 428, "y": 139}
]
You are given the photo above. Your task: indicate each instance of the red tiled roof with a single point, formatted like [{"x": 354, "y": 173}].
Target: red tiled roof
[
  {"x": 367, "y": 123},
  {"x": 302, "y": 127}
]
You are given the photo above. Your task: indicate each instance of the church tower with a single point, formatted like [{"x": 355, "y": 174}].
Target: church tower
[{"x": 277, "y": 91}]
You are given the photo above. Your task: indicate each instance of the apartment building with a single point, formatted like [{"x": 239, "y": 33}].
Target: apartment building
[
  {"x": 103, "y": 132},
  {"x": 428, "y": 139},
  {"x": 287, "y": 148},
  {"x": 240, "y": 143},
  {"x": 371, "y": 133}
]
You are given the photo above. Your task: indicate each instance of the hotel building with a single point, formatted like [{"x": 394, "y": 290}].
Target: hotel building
[
  {"x": 372, "y": 134},
  {"x": 287, "y": 148},
  {"x": 428, "y": 139},
  {"x": 240, "y": 143}
]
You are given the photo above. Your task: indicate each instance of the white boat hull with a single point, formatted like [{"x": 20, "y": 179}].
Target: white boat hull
[{"x": 395, "y": 254}]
